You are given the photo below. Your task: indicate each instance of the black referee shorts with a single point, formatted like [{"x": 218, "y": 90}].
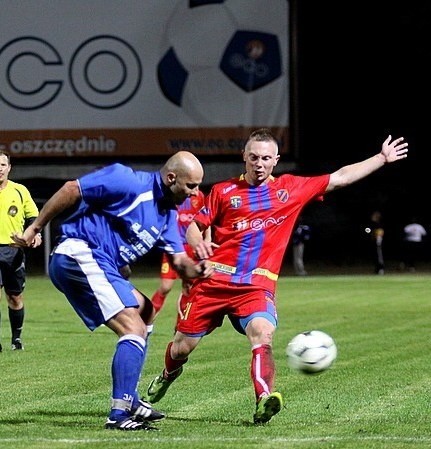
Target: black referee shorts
[{"x": 12, "y": 269}]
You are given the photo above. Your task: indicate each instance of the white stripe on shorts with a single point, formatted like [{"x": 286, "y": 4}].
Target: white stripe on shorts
[{"x": 109, "y": 301}]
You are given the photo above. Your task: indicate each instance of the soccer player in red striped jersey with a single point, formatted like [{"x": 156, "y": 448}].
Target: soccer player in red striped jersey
[
  {"x": 252, "y": 218},
  {"x": 168, "y": 275}
]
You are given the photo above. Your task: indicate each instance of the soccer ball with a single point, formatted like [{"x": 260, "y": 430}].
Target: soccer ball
[
  {"x": 311, "y": 352},
  {"x": 222, "y": 64}
]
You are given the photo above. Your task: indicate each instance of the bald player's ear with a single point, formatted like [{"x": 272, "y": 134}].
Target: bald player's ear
[{"x": 171, "y": 177}]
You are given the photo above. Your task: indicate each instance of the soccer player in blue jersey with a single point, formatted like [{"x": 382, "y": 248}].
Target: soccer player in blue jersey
[
  {"x": 251, "y": 218},
  {"x": 118, "y": 216}
]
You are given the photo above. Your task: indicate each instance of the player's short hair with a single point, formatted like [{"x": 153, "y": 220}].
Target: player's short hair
[{"x": 261, "y": 135}]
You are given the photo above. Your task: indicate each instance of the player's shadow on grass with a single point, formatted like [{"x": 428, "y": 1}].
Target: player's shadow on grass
[
  {"x": 63, "y": 418},
  {"x": 242, "y": 423}
]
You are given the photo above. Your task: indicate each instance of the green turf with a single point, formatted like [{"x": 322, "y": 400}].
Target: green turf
[{"x": 55, "y": 394}]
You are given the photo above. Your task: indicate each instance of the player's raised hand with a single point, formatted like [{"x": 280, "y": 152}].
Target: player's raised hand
[{"x": 395, "y": 150}]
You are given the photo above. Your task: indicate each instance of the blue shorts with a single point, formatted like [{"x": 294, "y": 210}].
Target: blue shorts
[{"x": 91, "y": 282}]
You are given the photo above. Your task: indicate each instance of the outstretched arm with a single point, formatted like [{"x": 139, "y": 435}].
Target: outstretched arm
[
  {"x": 64, "y": 198},
  {"x": 390, "y": 152}
]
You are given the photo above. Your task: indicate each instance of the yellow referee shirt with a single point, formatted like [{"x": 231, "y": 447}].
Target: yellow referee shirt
[{"x": 16, "y": 206}]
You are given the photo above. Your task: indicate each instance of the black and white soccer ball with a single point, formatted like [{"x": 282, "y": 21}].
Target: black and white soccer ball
[
  {"x": 220, "y": 58},
  {"x": 311, "y": 352}
]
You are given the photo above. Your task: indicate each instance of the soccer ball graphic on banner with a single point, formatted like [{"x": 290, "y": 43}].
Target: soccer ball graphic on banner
[
  {"x": 311, "y": 352},
  {"x": 223, "y": 65}
]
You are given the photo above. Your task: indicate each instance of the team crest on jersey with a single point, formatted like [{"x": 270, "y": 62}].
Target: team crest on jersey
[
  {"x": 235, "y": 201},
  {"x": 282, "y": 195},
  {"x": 13, "y": 210}
]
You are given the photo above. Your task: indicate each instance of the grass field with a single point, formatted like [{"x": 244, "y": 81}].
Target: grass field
[{"x": 55, "y": 394}]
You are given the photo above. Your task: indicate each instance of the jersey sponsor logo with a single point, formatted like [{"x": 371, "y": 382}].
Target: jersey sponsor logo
[
  {"x": 257, "y": 224},
  {"x": 228, "y": 269},
  {"x": 235, "y": 201},
  {"x": 222, "y": 267},
  {"x": 143, "y": 240},
  {"x": 185, "y": 218},
  {"x": 13, "y": 210},
  {"x": 228, "y": 189},
  {"x": 240, "y": 225},
  {"x": 127, "y": 254},
  {"x": 282, "y": 195}
]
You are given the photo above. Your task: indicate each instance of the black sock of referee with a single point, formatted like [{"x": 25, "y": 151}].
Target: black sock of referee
[{"x": 16, "y": 318}]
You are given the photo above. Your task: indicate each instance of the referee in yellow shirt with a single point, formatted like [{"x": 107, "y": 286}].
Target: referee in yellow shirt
[{"x": 17, "y": 211}]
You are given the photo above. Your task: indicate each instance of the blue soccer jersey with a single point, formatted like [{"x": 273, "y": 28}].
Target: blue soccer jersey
[{"x": 121, "y": 215}]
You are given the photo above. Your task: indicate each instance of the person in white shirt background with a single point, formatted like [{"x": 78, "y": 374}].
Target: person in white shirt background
[{"x": 414, "y": 236}]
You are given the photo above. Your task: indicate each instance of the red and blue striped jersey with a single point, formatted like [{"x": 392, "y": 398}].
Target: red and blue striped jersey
[
  {"x": 187, "y": 211},
  {"x": 253, "y": 225}
]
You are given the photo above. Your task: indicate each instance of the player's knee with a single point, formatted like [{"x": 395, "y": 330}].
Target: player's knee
[
  {"x": 260, "y": 331},
  {"x": 182, "y": 348},
  {"x": 165, "y": 291},
  {"x": 15, "y": 301}
]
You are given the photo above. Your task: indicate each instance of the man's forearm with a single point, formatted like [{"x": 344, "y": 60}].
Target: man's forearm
[{"x": 64, "y": 198}]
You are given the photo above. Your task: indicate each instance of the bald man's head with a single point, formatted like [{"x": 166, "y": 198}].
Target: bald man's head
[
  {"x": 182, "y": 162},
  {"x": 182, "y": 174}
]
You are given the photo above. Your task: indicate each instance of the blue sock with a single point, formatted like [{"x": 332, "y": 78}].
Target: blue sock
[
  {"x": 136, "y": 396},
  {"x": 126, "y": 370}
]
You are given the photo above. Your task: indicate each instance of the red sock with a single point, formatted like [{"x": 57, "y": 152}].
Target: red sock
[
  {"x": 262, "y": 370},
  {"x": 158, "y": 300},
  {"x": 172, "y": 366}
]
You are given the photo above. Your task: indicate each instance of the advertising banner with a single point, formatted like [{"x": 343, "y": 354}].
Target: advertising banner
[{"x": 128, "y": 78}]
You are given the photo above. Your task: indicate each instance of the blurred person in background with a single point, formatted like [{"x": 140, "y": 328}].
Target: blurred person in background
[
  {"x": 413, "y": 239},
  {"x": 376, "y": 232},
  {"x": 300, "y": 236},
  {"x": 17, "y": 211}
]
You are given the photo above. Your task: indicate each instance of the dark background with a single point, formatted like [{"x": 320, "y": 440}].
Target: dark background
[{"x": 359, "y": 72}]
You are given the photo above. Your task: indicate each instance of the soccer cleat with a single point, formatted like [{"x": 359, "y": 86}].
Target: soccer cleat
[
  {"x": 159, "y": 386},
  {"x": 17, "y": 345},
  {"x": 129, "y": 423},
  {"x": 145, "y": 412},
  {"x": 267, "y": 407}
]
